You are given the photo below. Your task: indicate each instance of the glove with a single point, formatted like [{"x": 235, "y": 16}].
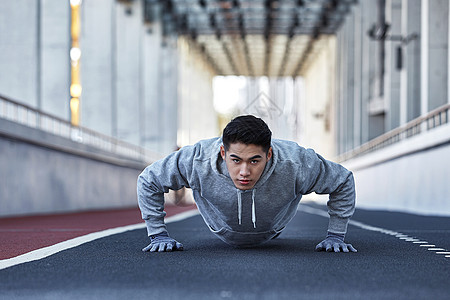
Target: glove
[
  {"x": 162, "y": 242},
  {"x": 335, "y": 242}
]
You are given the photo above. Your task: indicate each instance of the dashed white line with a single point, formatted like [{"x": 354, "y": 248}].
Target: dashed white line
[{"x": 399, "y": 235}]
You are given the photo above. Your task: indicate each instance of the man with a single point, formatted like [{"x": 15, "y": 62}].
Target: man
[{"x": 247, "y": 187}]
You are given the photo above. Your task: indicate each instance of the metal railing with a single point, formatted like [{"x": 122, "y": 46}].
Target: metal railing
[
  {"x": 433, "y": 119},
  {"x": 26, "y": 115}
]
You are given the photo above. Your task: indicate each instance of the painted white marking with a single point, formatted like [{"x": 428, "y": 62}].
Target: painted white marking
[
  {"x": 50, "y": 250},
  {"x": 361, "y": 225}
]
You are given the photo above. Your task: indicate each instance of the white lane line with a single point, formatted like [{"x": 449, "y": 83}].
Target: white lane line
[
  {"x": 50, "y": 250},
  {"x": 399, "y": 235}
]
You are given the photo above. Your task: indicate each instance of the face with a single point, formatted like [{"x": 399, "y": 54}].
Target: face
[{"x": 245, "y": 163}]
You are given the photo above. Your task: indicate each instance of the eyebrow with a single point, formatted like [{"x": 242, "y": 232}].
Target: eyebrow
[{"x": 253, "y": 157}]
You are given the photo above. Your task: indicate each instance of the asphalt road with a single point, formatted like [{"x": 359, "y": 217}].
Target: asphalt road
[{"x": 389, "y": 264}]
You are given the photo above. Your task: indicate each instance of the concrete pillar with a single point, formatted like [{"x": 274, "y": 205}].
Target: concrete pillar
[
  {"x": 434, "y": 62},
  {"x": 438, "y": 53},
  {"x": 377, "y": 105},
  {"x": 34, "y": 60},
  {"x": 392, "y": 75},
  {"x": 410, "y": 73},
  {"x": 98, "y": 65},
  {"x": 151, "y": 129},
  {"x": 367, "y": 18},
  {"x": 54, "y": 61},
  {"x": 20, "y": 61},
  {"x": 168, "y": 87},
  {"x": 196, "y": 114},
  {"x": 349, "y": 111},
  {"x": 128, "y": 56},
  {"x": 357, "y": 81},
  {"x": 340, "y": 92},
  {"x": 424, "y": 57}
]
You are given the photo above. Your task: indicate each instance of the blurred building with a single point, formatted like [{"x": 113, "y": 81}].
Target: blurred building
[
  {"x": 392, "y": 103},
  {"x": 133, "y": 73},
  {"x": 91, "y": 91}
]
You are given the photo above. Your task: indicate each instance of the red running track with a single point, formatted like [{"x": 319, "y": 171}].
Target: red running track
[{"x": 19, "y": 235}]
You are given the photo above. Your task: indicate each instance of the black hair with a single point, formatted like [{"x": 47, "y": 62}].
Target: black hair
[{"x": 247, "y": 130}]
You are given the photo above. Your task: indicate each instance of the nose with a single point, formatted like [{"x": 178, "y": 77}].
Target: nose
[{"x": 244, "y": 170}]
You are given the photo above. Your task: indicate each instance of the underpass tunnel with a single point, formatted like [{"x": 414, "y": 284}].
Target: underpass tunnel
[{"x": 93, "y": 91}]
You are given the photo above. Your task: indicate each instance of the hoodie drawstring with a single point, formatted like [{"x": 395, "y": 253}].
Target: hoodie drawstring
[
  {"x": 239, "y": 194},
  {"x": 239, "y": 207},
  {"x": 253, "y": 209}
]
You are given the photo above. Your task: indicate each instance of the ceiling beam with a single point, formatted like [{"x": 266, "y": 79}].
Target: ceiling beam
[
  {"x": 241, "y": 24},
  {"x": 294, "y": 25},
  {"x": 321, "y": 24},
  {"x": 267, "y": 35}
]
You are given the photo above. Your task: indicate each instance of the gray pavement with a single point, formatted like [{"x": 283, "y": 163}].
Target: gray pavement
[{"x": 385, "y": 267}]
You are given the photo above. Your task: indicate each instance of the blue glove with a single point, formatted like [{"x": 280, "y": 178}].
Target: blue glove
[
  {"x": 162, "y": 242},
  {"x": 335, "y": 242}
]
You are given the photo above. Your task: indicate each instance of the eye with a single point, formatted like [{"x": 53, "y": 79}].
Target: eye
[
  {"x": 254, "y": 161},
  {"x": 235, "y": 160}
]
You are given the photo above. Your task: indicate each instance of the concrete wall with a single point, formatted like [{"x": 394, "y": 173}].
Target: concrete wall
[
  {"x": 319, "y": 100},
  {"x": 197, "y": 117},
  {"x": 34, "y": 60},
  {"x": 128, "y": 68},
  {"x": 410, "y": 176},
  {"x": 374, "y": 96},
  {"x": 43, "y": 173},
  {"x": 129, "y": 75}
]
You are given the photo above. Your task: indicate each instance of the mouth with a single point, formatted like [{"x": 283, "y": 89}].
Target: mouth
[{"x": 244, "y": 181}]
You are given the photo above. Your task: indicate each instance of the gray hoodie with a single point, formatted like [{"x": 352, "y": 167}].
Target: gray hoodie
[{"x": 245, "y": 218}]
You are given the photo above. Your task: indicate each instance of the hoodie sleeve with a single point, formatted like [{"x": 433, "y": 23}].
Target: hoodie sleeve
[
  {"x": 326, "y": 177},
  {"x": 156, "y": 179}
]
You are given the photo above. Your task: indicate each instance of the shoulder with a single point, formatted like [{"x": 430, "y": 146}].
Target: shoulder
[
  {"x": 289, "y": 148},
  {"x": 289, "y": 151},
  {"x": 202, "y": 149}
]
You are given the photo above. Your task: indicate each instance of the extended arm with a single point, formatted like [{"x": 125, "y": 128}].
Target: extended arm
[
  {"x": 333, "y": 179},
  {"x": 153, "y": 182}
]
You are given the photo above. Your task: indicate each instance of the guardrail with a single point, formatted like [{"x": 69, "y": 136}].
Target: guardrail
[
  {"x": 26, "y": 115},
  {"x": 426, "y": 122}
]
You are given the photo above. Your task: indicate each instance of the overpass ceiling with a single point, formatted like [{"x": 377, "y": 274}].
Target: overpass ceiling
[{"x": 256, "y": 37}]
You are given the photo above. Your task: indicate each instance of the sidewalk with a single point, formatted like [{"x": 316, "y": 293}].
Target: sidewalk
[{"x": 19, "y": 235}]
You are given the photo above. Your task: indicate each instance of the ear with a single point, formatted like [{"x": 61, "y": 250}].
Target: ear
[
  {"x": 222, "y": 152},
  {"x": 269, "y": 154}
]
